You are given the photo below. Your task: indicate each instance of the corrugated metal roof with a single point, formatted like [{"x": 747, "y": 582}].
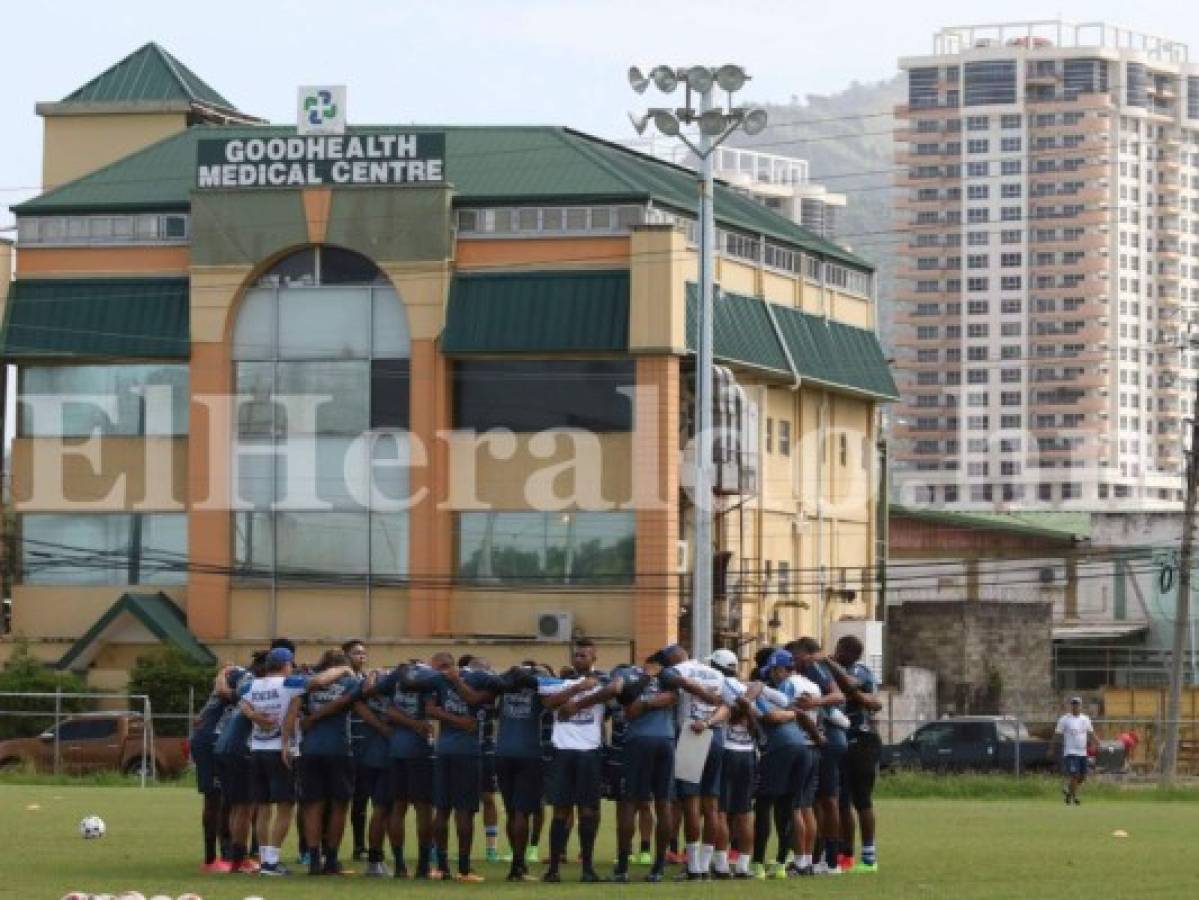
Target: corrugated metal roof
[
  {"x": 500, "y": 165},
  {"x": 825, "y": 351},
  {"x": 538, "y": 312},
  {"x": 1052, "y": 526},
  {"x": 97, "y": 317},
  {"x": 147, "y": 75}
]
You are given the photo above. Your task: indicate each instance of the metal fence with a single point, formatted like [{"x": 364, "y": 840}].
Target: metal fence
[{"x": 58, "y": 722}]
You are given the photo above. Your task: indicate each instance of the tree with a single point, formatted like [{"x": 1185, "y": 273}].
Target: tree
[
  {"x": 25, "y": 673},
  {"x": 171, "y": 679}
]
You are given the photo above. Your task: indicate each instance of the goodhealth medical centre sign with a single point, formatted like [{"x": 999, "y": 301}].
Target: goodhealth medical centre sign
[{"x": 319, "y": 160}]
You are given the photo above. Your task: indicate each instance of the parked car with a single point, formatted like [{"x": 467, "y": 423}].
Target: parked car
[
  {"x": 98, "y": 742},
  {"x": 985, "y": 744}
]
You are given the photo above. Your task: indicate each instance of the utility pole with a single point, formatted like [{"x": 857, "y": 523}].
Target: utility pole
[{"x": 1182, "y": 611}]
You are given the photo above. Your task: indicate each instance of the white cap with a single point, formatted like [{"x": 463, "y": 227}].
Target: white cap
[{"x": 726, "y": 659}]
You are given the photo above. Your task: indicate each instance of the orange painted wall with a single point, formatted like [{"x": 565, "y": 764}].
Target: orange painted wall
[
  {"x": 102, "y": 261},
  {"x": 502, "y": 253}
]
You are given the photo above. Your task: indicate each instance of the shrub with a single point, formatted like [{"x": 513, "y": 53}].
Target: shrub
[
  {"x": 169, "y": 677},
  {"x": 25, "y": 673}
]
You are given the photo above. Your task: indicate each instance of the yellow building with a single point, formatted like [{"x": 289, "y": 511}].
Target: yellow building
[{"x": 425, "y": 386}]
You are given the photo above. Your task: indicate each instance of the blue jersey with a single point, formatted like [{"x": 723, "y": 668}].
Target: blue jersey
[
  {"x": 215, "y": 710},
  {"x": 777, "y": 736},
  {"x": 520, "y": 728},
  {"x": 235, "y": 733},
  {"x": 375, "y": 747},
  {"x": 860, "y": 718},
  {"x": 653, "y": 723},
  {"x": 330, "y": 736},
  {"x": 452, "y": 740},
  {"x": 405, "y": 743},
  {"x": 358, "y": 728}
]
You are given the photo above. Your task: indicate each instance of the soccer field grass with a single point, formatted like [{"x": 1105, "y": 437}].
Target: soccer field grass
[{"x": 928, "y": 848}]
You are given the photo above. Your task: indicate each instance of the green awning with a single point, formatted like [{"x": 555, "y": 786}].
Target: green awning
[
  {"x": 156, "y": 613},
  {"x": 824, "y": 351},
  {"x": 97, "y": 317},
  {"x": 538, "y": 312}
]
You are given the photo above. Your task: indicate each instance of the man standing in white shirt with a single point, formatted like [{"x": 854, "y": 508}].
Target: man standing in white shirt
[{"x": 1077, "y": 737}]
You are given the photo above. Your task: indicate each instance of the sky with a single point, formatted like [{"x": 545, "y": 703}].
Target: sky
[{"x": 487, "y": 61}]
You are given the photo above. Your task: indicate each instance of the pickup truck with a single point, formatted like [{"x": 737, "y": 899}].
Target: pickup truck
[
  {"x": 979, "y": 743},
  {"x": 986, "y": 744},
  {"x": 97, "y": 742}
]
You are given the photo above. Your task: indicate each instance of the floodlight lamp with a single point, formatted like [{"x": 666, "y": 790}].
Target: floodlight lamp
[
  {"x": 665, "y": 122},
  {"x": 640, "y": 123},
  {"x": 713, "y": 122},
  {"x": 754, "y": 120},
  {"x": 731, "y": 78},
  {"x": 637, "y": 81},
  {"x": 665, "y": 78},
  {"x": 699, "y": 79}
]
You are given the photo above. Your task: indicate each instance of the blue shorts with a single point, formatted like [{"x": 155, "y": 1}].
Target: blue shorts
[
  {"x": 203, "y": 754},
  {"x": 737, "y": 782},
  {"x": 782, "y": 771},
  {"x": 809, "y": 778},
  {"x": 575, "y": 778},
  {"x": 1074, "y": 765},
  {"x": 648, "y": 768},
  {"x": 832, "y": 757},
  {"x": 237, "y": 778},
  {"x": 709, "y": 782},
  {"x": 410, "y": 779},
  {"x": 273, "y": 781},
  {"x": 521, "y": 782}
]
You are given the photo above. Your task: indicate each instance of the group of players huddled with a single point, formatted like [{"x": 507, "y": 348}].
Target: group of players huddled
[{"x": 792, "y": 749}]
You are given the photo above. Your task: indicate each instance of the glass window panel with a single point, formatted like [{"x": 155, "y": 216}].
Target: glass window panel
[
  {"x": 324, "y": 323},
  {"x": 601, "y": 218},
  {"x": 600, "y": 546},
  {"x": 108, "y": 399},
  {"x": 341, "y": 471},
  {"x": 122, "y": 226},
  {"x": 77, "y": 227},
  {"x": 253, "y": 544},
  {"x": 576, "y": 220},
  {"x": 533, "y": 395},
  {"x": 338, "y": 266},
  {"x": 101, "y": 228},
  {"x": 254, "y": 334},
  {"x": 390, "y": 462},
  {"x": 174, "y": 227},
  {"x": 389, "y": 544},
  {"x": 255, "y": 386},
  {"x": 53, "y": 229},
  {"x": 164, "y": 549},
  {"x": 333, "y": 543},
  {"x": 147, "y": 228},
  {"x": 75, "y": 549},
  {"x": 297, "y": 269},
  {"x": 551, "y": 219},
  {"x": 342, "y": 388},
  {"x": 255, "y": 472},
  {"x": 555, "y": 548},
  {"x": 389, "y": 324},
  {"x": 526, "y": 219},
  {"x": 390, "y": 392}
]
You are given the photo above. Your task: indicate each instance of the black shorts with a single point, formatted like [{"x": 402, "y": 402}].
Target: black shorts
[
  {"x": 614, "y": 788},
  {"x": 411, "y": 780},
  {"x": 273, "y": 781},
  {"x": 859, "y": 770},
  {"x": 521, "y": 782},
  {"x": 372, "y": 783},
  {"x": 832, "y": 758},
  {"x": 488, "y": 784},
  {"x": 208, "y": 777},
  {"x": 737, "y": 782},
  {"x": 785, "y": 771},
  {"x": 649, "y": 768},
  {"x": 237, "y": 778},
  {"x": 575, "y": 778},
  {"x": 326, "y": 778},
  {"x": 709, "y": 781},
  {"x": 456, "y": 783}
]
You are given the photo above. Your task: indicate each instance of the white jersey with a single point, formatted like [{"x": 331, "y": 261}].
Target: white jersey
[
  {"x": 271, "y": 696},
  {"x": 692, "y": 708},
  {"x": 803, "y": 687},
  {"x": 584, "y": 730},
  {"x": 1074, "y": 730}
]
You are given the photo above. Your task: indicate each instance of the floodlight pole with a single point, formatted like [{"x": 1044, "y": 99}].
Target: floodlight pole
[{"x": 701, "y": 587}]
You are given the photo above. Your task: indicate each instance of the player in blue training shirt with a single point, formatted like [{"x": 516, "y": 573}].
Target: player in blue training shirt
[
  {"x": 202, "y": 744},
  {"x": 232, "y": 754},
  {"x": 355, "y": 651},
  {"x": 520, "y": 769}
]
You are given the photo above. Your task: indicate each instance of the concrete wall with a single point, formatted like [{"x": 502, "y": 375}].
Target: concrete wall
[
  {"x": 988, "y": 657},
  {"x": 908, "y": 703},
  {"x": 73, "y": 146}
]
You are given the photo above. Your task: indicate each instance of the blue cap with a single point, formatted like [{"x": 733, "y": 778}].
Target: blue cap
[
  {"x": 280, "y": 656},
  {"x": 781, "y": 658}
]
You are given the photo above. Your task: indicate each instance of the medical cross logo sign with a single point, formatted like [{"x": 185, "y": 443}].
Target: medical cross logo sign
[{"x": 321, "y": 109}]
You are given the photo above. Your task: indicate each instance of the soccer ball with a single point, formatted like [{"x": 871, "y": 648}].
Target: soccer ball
[{"x": 91, "y": 827}]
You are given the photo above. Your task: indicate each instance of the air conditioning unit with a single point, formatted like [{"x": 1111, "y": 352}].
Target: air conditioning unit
[
  {"x": 682, "y": 557},
  {"x": 555, "y": 626}
]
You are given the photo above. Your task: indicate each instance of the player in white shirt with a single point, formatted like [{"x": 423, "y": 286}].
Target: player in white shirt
[
  {"x": 576, "y": 773},
  {"x": 701, "y": 708},
  {"x": 1076, "y": 736}
]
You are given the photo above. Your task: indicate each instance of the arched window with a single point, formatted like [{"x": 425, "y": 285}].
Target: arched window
[{"x": 320, "y": 352}]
